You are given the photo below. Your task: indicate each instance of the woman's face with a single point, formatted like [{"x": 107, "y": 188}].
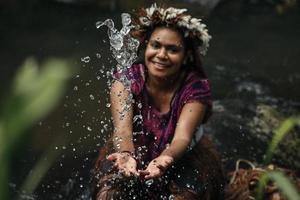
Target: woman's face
[{"x": 164, "y": 53}]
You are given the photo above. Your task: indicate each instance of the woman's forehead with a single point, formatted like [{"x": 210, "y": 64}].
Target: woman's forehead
[{"x": 167, "y": 35}]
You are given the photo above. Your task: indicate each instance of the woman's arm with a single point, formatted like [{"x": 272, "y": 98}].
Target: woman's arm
[
  {"x": 121, "y": 109},
  {"x": 191, "y": 116}
]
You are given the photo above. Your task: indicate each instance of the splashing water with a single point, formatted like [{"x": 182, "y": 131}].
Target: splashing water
[
  {"x": 86, "y": 59},
  {"x": 123, "y": 46},
  {"x": 124, "y": 50}
]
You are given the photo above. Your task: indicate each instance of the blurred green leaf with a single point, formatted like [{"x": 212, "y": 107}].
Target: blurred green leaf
[
  {"x": 280, "y": 132},
  {"x": 41, "y": 167},
  {"x": 283, "y": 183},
  {"x": 35, "y": 92}
]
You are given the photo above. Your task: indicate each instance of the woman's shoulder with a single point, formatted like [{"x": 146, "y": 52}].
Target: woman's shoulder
[
  {"x": 135, "y": 74},
  {"x": 137, "y": 71},
  {"x": 137, "y": 77},
  {"x": 196, "y": 88},
  {"x": 194, "y": 81}
]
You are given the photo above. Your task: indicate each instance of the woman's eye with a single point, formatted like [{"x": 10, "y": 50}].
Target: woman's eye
[
  {"x": 174, "y": 50},
  {"x": 155, "y": 45}
]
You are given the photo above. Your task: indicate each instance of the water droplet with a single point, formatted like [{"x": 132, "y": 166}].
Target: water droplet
[
  {"x": 86, "y": 59},
  {"x": 171, "y": 197},
  {"x": 75, "y": 88},
  {"x": 98, "y": 55},
  {"x": 108, "y": 105},
  {"x": 99, "y": 24},
  {"x": 137, "y": 117},
  {"x": 149, "y": 182},
  {"x": 126, "y": 19},
  {"x": 89, "y": 128},
  {"x": 92, "y": 97}
]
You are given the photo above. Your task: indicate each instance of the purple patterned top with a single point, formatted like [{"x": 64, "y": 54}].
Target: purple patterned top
[{"x": 153, "y": 130}]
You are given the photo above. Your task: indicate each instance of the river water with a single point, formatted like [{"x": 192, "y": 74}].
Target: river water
[{"x": 253, "y": 64}]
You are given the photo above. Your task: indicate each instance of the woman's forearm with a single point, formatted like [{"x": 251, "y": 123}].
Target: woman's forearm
[
  {"x": 121, "y": 109},
  {"x": 123, "y": 141},
  {"x": 190, "y": 118},
  {"x": 177, "y": 148}
]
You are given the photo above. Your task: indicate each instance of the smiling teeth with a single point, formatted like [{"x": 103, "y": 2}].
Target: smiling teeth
[{"x": 160, "y": 64}]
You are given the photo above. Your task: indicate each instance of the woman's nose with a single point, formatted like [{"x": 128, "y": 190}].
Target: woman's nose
[{"x": 162, "y": 54}]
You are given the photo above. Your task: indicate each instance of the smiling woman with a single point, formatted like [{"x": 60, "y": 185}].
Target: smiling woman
[
  {"x": 158, "y": 150},
  {"x": 164, "y": 54}
]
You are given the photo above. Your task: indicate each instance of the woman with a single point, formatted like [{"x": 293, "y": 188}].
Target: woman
[{"x": 157, "y": 150}]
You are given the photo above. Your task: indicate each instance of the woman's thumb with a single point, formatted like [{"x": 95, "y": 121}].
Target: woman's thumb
[{"x": 111, "y": 157}]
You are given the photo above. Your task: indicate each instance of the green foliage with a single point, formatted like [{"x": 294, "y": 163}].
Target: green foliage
[
  {"x": 283, "y": 183},
  {"x": 280, "y": 132},
  {"x": 34, "y": 93},
  {"x": 41, "y": 168}
]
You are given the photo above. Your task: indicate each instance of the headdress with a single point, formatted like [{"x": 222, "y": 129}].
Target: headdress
[{"x": 192, "y": 27}]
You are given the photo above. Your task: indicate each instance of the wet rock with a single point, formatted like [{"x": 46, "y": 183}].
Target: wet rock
[{"x": 244, "y": 127}]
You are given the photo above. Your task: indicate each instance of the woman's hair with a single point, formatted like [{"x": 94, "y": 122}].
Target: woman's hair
[{"x": 193, "y": 32}]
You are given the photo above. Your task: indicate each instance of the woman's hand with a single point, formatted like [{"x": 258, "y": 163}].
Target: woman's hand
[
  {"x": 157, "y": 167},
  {"x": 124, "y": 163}
]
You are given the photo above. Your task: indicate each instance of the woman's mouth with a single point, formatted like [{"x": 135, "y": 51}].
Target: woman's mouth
[{"x": 160, "y": 65}]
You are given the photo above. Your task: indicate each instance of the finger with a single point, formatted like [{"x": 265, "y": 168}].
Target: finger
[
  {"x": 116, "y": 165},
  {"x": 153, "y": 174},
  {"x": 143, "y": 172},
  {"x": 162, "y": 167},
  {"x": 126, "y": 173},
  {"x": 111, "y": 157},
  {"x": 134, "y": 172}
]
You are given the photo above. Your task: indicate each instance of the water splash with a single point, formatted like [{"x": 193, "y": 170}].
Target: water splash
[
  {"x": 86, "y": 59},
  {"x": 123, "y": 46},
  {"x": 149, "y": 182},
  {"x": 124, "y": 50}
]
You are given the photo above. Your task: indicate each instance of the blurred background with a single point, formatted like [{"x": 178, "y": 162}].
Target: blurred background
[{"x": 253, "y": 64}]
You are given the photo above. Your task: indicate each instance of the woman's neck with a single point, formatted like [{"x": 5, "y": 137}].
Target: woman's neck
[{"x": 164, "y": 84}]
